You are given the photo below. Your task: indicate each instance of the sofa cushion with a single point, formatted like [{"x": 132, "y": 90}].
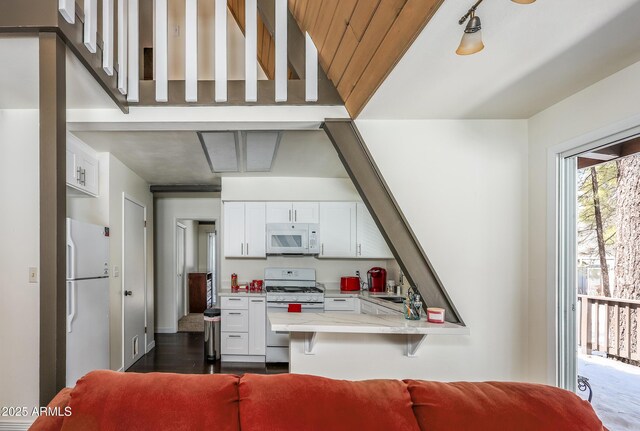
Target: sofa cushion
[
  {"x": 108, "y": 400},
  {"x": 289, "y": 402},
  {"x": 499, "y": 405},
  {"x": 56, "y": 407}
]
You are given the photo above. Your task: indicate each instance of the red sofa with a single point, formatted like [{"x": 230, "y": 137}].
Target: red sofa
[{"x": 106, "y": 400}]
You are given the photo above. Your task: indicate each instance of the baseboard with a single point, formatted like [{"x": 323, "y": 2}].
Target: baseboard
[
  {"x": 165, "y": 330},
  {"x": 151, "y": 345},
  {"x": 15, "y": 425}
]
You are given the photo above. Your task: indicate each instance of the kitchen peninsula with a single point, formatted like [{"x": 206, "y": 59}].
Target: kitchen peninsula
[{"x": 362, "y": 346}]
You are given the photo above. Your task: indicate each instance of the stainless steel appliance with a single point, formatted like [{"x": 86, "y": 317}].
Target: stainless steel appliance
[
  {"x": 287, "y": 286},
  {"x": 293, "y": 238}
]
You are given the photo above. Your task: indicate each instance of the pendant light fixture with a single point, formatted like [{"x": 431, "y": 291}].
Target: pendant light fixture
[{"x": 472, "y": 37}]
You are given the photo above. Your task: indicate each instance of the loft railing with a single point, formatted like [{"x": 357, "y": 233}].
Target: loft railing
[
  {"x": 115, "y": 25},
  {"x": 607, "y": 325}
]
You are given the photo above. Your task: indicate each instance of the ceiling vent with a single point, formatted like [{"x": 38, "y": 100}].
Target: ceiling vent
[{"x": 246, "y": 151}]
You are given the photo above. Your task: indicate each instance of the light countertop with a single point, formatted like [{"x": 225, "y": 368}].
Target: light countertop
[{"x": 359, "y": 324}]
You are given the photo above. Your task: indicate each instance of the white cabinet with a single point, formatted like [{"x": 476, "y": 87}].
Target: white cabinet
[
  {"x": 243, "y": 328},
  {"x": 368, "y": 307},
  {"x": 234, "y": 343},
  {"x": 293, "y": 212},
  {"x": 340, "y": 305},
  {"x": 82, "y": 169},
  {"x": 234, "y": 321},
  {"x": 371, "y": 243},
  {"x": 257, "y": 326},
  {"x": 337, "y": 229},
  {"x": 244, "y": 229},
  {"x": 306, "y": 212}
]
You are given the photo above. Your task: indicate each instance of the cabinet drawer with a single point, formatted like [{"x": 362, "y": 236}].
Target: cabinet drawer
[
  {"x": 367, "y": 308},
  {"x": 235, "y": 321},
  {"x": 234, "y": 343},
  {"x": 340, "y": 304},
  {"x": 233, "y": 303},
  {"x": 384, "y": 310}
]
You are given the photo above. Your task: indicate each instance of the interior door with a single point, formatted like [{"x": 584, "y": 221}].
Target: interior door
[
  {"x": 133, "y": 282},
  {"x": 183, "y": 302}
]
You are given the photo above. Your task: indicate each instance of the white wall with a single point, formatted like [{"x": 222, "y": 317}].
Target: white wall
[
  {"x": 328, "y": 271},
  {"x": 203, "y": 243},
  {"x": 114, "y": 180},
  {"x": 462, "y": 186},
  {"x": 598, "y": 107},
  {"x": 169, "y": 208},
  {"x": 20, "y": 233}
]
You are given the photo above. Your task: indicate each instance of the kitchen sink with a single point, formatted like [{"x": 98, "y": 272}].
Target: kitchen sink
[{"x": 394, "y": 299}]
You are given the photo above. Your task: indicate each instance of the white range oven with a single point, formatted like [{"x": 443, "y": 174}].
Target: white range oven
[{"x": 287, "y": 287}]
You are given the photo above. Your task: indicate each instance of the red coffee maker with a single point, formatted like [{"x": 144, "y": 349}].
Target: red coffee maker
[{"x": 377, "y": 278}]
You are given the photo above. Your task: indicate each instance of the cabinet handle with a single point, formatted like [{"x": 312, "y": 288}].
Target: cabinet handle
[
  {"x": 339, "y": 300},
  {"x": 235, "y": 314},
  {"x": 241, "y": 249},
  {"x": 78, "y": 174},
  {"x": 234, "y": 336},
  {"x": 295, "y": 215},
  {"x": 247, "y": 249},
  {"x": 257, "y": 300},
  {"x": 235, "y": 299},
  {"x": 322, "y": 249},
  {"x": 359, "y": 249},
  {"x": 290, "y": 215},
  {"x": 84, "y": 177}
]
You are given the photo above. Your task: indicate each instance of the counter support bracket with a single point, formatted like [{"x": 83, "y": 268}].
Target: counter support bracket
[
  {"x": 413, "y": 343},
  {"x": 310, "y": 339}
]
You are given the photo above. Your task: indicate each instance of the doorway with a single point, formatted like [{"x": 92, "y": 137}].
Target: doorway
[
  {"x": 599, "y": 279},
  {"x": 181, "y": 289},
  {"x": 196, "y": 252},
  {"x": 134, "y": 274}
]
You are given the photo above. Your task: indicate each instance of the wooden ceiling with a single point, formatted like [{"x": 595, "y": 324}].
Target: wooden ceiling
[{"x": 360, "y": 41}]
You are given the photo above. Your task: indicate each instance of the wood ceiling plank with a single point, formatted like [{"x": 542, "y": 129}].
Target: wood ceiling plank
[
  {"x": 362, "y": 16},
  {"x": 347, "y": 47},
  {"x": 311, "y": 15},
  {"x": 301, "y": 9},
  {"x": 383, "y": 18},
  {"x": 336, "y": 31},
  {"x": 319, "y": 32},
  {"x": 412, "y": 19}
]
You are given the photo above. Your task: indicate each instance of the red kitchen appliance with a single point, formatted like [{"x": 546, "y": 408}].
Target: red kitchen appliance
[
  {"x": 348, "y": 284},
  {"x": 377, "y": 278}
]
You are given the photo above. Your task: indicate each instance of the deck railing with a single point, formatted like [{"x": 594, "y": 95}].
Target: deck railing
[{"x": 609, "y": 325}]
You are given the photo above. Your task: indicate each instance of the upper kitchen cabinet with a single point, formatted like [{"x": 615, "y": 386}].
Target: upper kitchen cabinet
[
  {"x": 293, "y": 212},
  {"x": 82, "y": 168},
  {"x": 338, "y": 229},
  {"x": 244, "y": 229},
  {"x": 371, "y": 243}
]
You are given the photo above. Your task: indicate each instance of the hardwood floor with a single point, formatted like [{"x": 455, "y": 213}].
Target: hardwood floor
[{"x": 184, "y": 353}]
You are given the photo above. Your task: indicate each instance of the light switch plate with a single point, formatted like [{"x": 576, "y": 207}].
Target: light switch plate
[
  {"x": 116, "y": 272},
  {"x": 33, "y": 274}
]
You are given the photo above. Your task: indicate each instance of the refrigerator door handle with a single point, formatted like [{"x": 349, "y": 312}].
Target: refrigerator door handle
[
  {"x": 71, "y": 312},
  {"x": 71, "y": 256}
]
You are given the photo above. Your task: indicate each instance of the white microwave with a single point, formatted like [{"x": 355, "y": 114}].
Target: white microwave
[{"x": 293, "y": 238}]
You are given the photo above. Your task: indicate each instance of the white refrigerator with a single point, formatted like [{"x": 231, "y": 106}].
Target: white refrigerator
[{"x": 87, "y": 299}]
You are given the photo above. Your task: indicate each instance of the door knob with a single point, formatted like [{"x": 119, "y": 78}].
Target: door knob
[{"x": 128, "y": 293}]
